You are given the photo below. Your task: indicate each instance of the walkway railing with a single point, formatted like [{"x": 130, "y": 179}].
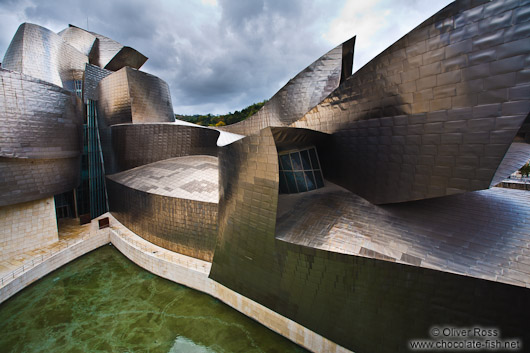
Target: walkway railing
[
  {"x": 164, "y": 254},
  {"x": 58, "y": 247}
]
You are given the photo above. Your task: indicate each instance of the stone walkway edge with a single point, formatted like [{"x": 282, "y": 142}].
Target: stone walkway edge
[{"x": 175, "y": 267}]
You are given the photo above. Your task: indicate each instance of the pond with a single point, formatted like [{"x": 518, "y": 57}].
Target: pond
[{"x": 103, "y": 302}]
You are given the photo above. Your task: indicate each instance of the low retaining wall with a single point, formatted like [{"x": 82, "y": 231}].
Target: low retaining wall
[
  {"x": 193, "y": 273},
  {"x": 175, "y": 267},
  {"x": 62, "y": 257}
]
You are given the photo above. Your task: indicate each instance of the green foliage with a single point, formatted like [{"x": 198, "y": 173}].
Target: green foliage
[
  {"x": 221, "y": 120},
  {"x": 525, "y": 170}
]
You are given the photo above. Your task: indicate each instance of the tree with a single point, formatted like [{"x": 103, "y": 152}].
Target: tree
[
  {"x": 525, "y": 170},
  {"x": 222, "y": 120}
]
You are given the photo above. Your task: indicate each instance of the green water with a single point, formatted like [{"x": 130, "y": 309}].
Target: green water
[{"x": 102, "y": 302}]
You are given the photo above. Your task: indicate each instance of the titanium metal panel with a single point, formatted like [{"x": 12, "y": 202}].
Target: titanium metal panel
[
  {"x": 112, "y": 55},
  {"x": 368, "y": 296},
  {"x": 436, "y": 112},
  {"x": 37, "y": 119},
  {"x": 114, "y": 103},
  {"x": 139, "y": 144},
  {"x": 171, "y": 203},
  {"x": 40, "y": 53},
  {"x": 93, "y": 74},
  {"x": 476, "y": 234},
  {"x": 23, "y": 179},
  {"x": 517, "y": 155},
  {"x": 130, "y": 95},
  {"x": 301, "y": 93},
  {"x": 79, "y": 39},
  {"x": 127, "y": 56}
]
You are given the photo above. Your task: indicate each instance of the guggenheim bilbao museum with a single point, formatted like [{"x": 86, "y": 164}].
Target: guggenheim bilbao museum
[{"x": 361, "y": 206}]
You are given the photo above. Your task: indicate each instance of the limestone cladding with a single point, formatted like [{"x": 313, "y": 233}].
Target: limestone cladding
[{"x": 27, "y": 226}]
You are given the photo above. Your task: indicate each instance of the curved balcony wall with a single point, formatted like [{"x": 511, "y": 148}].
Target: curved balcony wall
[
  {"x": 139, "y": 144},
  {"x": 42, "y": 54},
  {"x": 171, "y": 203},
  {"x": 436, "y": 112},
  {"x": 301, "y": 93}
]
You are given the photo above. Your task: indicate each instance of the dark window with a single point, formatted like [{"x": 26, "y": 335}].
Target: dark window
[
  {"x": 299, "y": 171},
  {"x": 295, "y": 158}
]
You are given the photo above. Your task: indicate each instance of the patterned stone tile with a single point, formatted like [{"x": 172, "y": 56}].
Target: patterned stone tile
[{"x": 189, "y": 177}]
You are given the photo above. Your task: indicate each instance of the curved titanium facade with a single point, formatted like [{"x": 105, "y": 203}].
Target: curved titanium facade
[
  {"x": 139, "y": 144},
  {"x": 79, "y": 39},
  {"x": 435, "y": 113},
  {"x": 38, "y": 119},
  {"x": 42, "y": 54},
  {"x": 132, "y": 96},
  {"x": 25, "y": 179},
  {"x": 93, "y": 74},
  {"x": 348, "y": 299},
  {"x": 39, "y": 139},
  {"x": 302, "y": 92},
  {"x": 171, "y": 203},
  {"x": 102, "y": 51},
  {"x": 112, "y": 55}
]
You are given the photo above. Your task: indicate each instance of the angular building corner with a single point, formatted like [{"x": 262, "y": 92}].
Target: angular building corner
[{"x": 361, "y": 206}]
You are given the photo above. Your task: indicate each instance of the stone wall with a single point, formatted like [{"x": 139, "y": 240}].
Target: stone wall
[{"x": 27, "y": 226}]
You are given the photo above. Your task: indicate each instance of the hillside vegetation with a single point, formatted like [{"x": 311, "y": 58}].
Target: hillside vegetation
[{"x": 221, "y": 120}]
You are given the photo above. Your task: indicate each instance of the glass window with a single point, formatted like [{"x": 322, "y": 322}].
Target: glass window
[
  {"x": 314, "y": 159},
  {"x": 311, "y": 185},
  {"x": 291, "y": 184},
  {"x": 295, "y": 159},
  {"x": 305, "y": 159},
  {"x": 300, "y": 181},
  {"x": 286, "y": 162},
  {"x": 299, "y": 171}
]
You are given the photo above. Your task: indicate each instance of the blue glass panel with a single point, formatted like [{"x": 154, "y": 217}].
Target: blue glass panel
[
  {"x": 291, "y": 184},
  {"x": 297, "y": 163},
  {"x": 319, "y": 180},
  {"x": 305, "y": 160},
  {"x": 283, "y": 184},
  {"x": 311, "y": 184},
  {"x": 300, "y": 181},
  {"x": 314, "y": 159},
  {"x": 286, "y": 162}
]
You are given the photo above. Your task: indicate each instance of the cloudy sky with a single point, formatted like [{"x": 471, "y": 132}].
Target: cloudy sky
[{"x": 219, "y": 56}]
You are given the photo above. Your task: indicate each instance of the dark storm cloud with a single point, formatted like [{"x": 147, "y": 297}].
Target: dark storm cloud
[{"x": 214, "y": 58}]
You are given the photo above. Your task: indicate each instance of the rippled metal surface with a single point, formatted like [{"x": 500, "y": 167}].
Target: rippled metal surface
[
  {"x": 42, "y": 54},
  {"x": 23, "y": 179},
  {"x": 80, "y": 39},
  {"x": 139, "y": 144},
  {"x": 102, "y": 51},
  {"x": 38, "y": 119},
  {"x": 93, "y": 74},
  {"x": 40, "y": 136},
  {"x": 333, "y": 292},
  {"x": 301, "y": 93},
  {"x": 435, "y": 113},
  {"x": 171, "y": 203},
  {"x": 132, "y": 96}
]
